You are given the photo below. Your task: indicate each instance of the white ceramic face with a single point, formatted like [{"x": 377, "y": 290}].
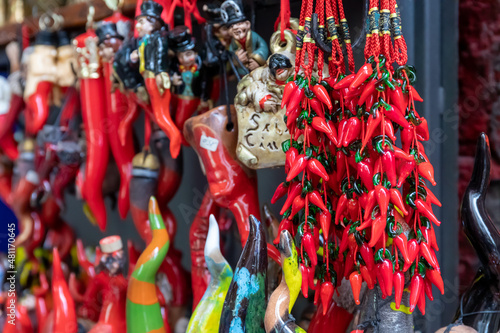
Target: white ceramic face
[{"x": 239, "y": 30}]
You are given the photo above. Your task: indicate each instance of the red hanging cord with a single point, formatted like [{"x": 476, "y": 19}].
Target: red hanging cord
[
  {"x": 347, "y": 37},
  {"x": 400, "y": 52}
]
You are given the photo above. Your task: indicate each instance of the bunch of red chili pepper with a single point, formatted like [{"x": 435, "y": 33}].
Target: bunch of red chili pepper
[{"x": 353, "y": 195}]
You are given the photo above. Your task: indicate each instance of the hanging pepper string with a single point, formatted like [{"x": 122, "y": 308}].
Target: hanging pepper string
[
  {"x": 400, "y": 49},
  {"x": 385, "y": 32},
  {"x": 346, "y": 36},
  {"x": 320, "y": 9}
]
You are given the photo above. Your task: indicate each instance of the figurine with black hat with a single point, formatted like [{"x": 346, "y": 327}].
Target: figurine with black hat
[
  {"x": 152, "y": 58},
  {"x": 249, "y": 47},
  {"x": 189, "y": 79}
]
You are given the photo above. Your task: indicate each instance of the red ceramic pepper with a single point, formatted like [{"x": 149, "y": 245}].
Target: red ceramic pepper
[
  {"x": 356, "y": 282},
  {"x": 416, "y": 288}
]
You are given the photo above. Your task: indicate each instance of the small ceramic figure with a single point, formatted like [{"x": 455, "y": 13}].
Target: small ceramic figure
[
  {"x": 41, "y": 76},
  {"x": 278, "y": 318},
  {"x": 206, "y": 316},
  {"x": 66, "y": 61},
  {"x": 261, "y": 129},
  {"x": 152, "y": 58},
  {"x": 189, "y": 81},
  {"x": 111, "y": 285},
  {"x": 249, "y": 47},
  {"x": 143, "y": 310},
  {"x": 246, "y": 300},
  {"x": 109, "y": 43}
]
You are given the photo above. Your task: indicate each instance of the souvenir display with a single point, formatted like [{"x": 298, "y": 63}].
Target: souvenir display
[{"x": 116, "y": 112}]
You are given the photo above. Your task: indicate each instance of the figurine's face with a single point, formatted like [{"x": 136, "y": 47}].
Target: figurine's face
[
  {"x": 221, "y": 32},
  {"x": 187, "y": 58},
  {"x": 145, "y": 26},
  {"x": 282, "y": 74},
  {"x": 109, "y": 47},
  {"x": 239, "y": 30}
]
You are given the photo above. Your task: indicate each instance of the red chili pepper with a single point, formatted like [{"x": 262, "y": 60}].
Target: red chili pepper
[
  {"x": 428, "y": 289},
  {"x": 396, "y": 116},
  {"x": 356, "y": 282},
  {"x": 287, "y": 92},
  {"x": 351, "y": 131},
  {"x": 341, "y": 207},
  {"x": 387, "y": 274},
  {"x": 292, "y": 117},
  {"x": 432, "y": 234},
  {"x": 322, "y": 95},
  {"x": 426, "y": 211},
  {"x": 399, "y": 286},
  {"x": 389, "y": 165},
  {"x": 435, "y": 278},
  {"x": 378, "y": 228},
  {"x": 366, "y": 274},
  {"x": 407, "y": 136},
  {"x": 310, "y": 274},
  {"x": 349, "y": 264},
  {"x": 366, "y": 224},
  {"x": 423, "y": 130},
  {"x": 293, "y": 191},
  {"x": 341, "y": 167},
  {"x": 317, "y": 294},
  {"x": 281, "y": 190},
  {"x": 317, "y": 107},
  {"x": 405, "y": 169},
  {"x": 299, "y": 165},
  {"x": 365, "y": 173},
  {"x": 389, "y": 131},
  {"x": 416, "y": 286},
  {"x": 316, "y": 199},
  {"x": 297, "y": 205},
  {"x": 421, "y": 300},
  {"x": 397, "y": 200},
  {"x": 382, "y": 195},
  {"x": 285, "y": 224},
  {"x": 291, "y": 156},
  {"x": 345, "y": 82},
  {"x": 308, "y": 243},
  {"x": 413, "y": 249},
  {"x": 325, "y": 218},
  {"x": 413, "y": 92},
  {"x": 296, "y": 98},
  {"x": 321, "y": 125},
  {"x": 370, "y": 203},
  {"x": 341, "y": 132},
  {"x": 428, "y": 253},
  {"x": 400, "y": 154},
  {"x": 363, "y": 73},
  {"x": 380, "y": 279},
  {"x": 401, "y": 243},
  {"x": 344, "y": 240},
  {"x": 426, "y": 170},
  {"x": 367, "y": 255},
  {"x": 305, "y": 278},
  {"x": 312, "y": 135},
  {"x": 370, "y": 101},
  {"x": 368, "y": 91},
  {"x": 326, "y": 295},
  {"x": 397, "y": 98},
  {"x": 432, "y": 198},
  {"x": 317, "y": 168},
  {"x": 371, "y": 125}
]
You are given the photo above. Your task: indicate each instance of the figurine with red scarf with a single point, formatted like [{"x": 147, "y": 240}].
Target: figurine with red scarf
[
  {"x": 189, "y": 81},
  {"x": 110, "y": 286}
]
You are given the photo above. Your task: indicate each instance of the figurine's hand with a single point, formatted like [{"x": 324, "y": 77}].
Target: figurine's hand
[
  {"x": 176, "y": 80},
  {"x": 134, "y": 56},
  {"x": 163, "y": 81},
  {"x": 242, "y": 55},
  {"x": 252, "y": 64},
  {"x": 13, "y": 53}
]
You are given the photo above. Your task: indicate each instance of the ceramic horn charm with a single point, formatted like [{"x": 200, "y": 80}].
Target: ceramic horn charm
[
  {"x": 206, "y": 316},
  {"x": 261, "y": 128},
  {"x": 143, "y": 309},
  {"x": 278, "y": 318},
  {"x": 245, "y": 304}
]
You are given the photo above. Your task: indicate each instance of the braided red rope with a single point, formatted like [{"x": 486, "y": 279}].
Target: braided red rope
[
  {"x": 400, "y": 52},
  {"x": 348, "y": 45},
  {"x": 385, "y": 32}
]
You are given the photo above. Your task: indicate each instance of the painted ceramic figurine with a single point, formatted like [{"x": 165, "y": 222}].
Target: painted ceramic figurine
[
  {"x": 245, "y": 303},
  {"x": 152, "y": 59},
  {"x": 41, "y": 77},
  {"x": 143, "y": 310},
  {"x": 189, "y": 81},
  {"x": 249, "y": 47},
  {"x": 278, "y": 318},
  {"x": 261, "y": 129},
  {"x": 206, "y": 316},
  {"x": 109, "y": 43},
  {"x": 480, "y": 304}
]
